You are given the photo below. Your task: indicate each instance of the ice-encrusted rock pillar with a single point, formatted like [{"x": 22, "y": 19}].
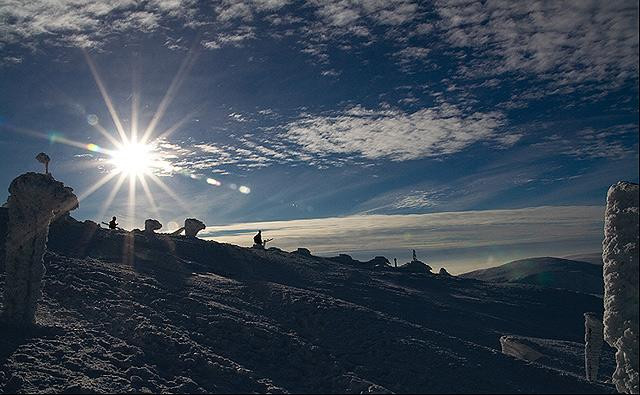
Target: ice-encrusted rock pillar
[
  {"x": 592, "y": 345},
  {"x": 620, "y": 271},
  {"x": 151, "y": 225},
  {"x": 192, "y": 226},
  {"x": 34, "y": 201}
]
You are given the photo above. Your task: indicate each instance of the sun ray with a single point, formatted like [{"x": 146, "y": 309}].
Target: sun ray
[
  {"x": 112, "y": 195},
  {"x": 97, "y": 185},
  {"x": 168, "y": 96},
  {"x": 178, "y": 124},
  {"x": 131, "y": 211},
  {"x": 169, "y": 192},
  {"x": 135, "y": 102},
  {"x": 149, "y": 196},
  {"x": 108, "y": 135},
  {"x": 53, "y": 138},
  {"x": 105, "y": 97}
]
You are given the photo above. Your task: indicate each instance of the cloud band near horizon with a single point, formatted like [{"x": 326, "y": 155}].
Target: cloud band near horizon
[{"x": 467, "y": 240}]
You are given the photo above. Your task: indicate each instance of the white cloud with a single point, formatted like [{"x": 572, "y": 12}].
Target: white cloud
[
  {"x": 428, "y": 233},
  {"x": 81, "y": 23},
  {"x": 591, "y": 143},
  {"x": 394, "y": 134},
  {"x": 236, "y": 38},
  {"x": 416, "y": 199},
  {"x": 569, "y": 42},
  {"x": 410, "y": 54}
]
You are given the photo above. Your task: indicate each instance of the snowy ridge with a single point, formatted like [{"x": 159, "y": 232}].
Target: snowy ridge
[
  {"x": 551, "y": 272},
  {"x": 190, "y": 315}
]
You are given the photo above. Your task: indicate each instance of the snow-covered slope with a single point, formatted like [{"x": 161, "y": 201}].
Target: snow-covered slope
[
  {"x": 547, "y": 272},
  {"x": 187, "y": 315}
]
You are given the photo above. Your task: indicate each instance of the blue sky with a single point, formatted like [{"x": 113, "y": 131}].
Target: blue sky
[{"x": 321, "y": 110}]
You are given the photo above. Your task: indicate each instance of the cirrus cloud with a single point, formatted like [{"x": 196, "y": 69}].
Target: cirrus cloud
[{"x": 396, "y": 135}]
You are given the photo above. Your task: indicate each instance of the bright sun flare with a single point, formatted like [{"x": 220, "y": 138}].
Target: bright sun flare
[{"x": 133, "y": 159}]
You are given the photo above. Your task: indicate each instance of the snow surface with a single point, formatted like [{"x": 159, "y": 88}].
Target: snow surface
[
  {"x": 189, "y": 315},
  {"x": 620, "y": 256}
]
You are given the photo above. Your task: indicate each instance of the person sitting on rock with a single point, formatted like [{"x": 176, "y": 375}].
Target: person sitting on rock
[
  {"x": 257, "y": 239},
  {"x": 113, "y": 224}
]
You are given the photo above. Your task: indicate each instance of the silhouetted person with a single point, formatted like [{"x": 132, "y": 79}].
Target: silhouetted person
[
  {"x": 415, "y": 258},
  {"x": 113, "y": 224},
  {"x": 395, "y": 262},
  {"x": 257, "y": 239}
]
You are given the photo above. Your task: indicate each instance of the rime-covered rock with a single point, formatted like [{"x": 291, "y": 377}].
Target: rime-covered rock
[
  {"x": 620, "y": 257},
  {"x": 415, "y": 267},
  {"x": 34, "y": 201},
  {"x": 192, "y": 226},
  {"x": 151, "y": 225},
  {"x": 302, "y": 251},
  {"x": 379, "y": 263},
  {"x": 593, "y": 340},
  {"x": 512, "y": 346}
]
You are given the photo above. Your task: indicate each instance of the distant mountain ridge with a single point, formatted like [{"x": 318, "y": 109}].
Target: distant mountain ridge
[
  {"x": 594, "y": 258},
  {"x": 579, "y": 276}
]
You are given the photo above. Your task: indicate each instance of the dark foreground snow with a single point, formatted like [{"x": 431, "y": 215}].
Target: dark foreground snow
[{"x": 195, "y": 316}]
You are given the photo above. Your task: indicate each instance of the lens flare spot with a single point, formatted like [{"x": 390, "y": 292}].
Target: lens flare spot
[
  {"x": 54, "y": 137},
  {"x": 244, "y": 189},
  {"x": 92, "y": 119},
  {"x": 93, "y": 147},
  {"x": 213, "y": 182}
]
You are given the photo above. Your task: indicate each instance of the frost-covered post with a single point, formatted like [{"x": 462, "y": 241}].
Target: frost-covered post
[
  {"x": 34, "y": 200},
  {"x": 620, "y": 271},
  {"x": 44, "y": 159},
  {"x": 592, "y": 345}
]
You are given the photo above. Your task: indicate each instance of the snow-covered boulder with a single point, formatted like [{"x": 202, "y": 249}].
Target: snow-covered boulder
[
  {"x": 151, "y": 225},
  {"x": 379, "y": 263},
  {"x": 302, "y": 251},
  {"x": 415, "y": 267},
  {"x": 512, "y": 346},
  {"x": 34, "y": 201},
  {"x": 592, "y": 345},
  {"x": 620, "y": 257},
  {"x": 192, "y": 226}
]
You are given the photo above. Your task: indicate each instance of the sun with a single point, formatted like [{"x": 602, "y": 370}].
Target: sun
[{"x": 133, "y": 159}]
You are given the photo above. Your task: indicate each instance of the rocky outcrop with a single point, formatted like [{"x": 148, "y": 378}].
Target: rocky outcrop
[
  {"x": 443, "y": 272},
  {"x": 192, "y": 226},
  {"x": 592, "y": 345},
  {"x": 620, "y": 271},
  {"x": 302, "y": 251},
  {"x": 379, "y": 263},
  {"x": 415, "y": 267},
  {"x": 151, "y": 225},
  {"x": 34, "y": 201}
]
